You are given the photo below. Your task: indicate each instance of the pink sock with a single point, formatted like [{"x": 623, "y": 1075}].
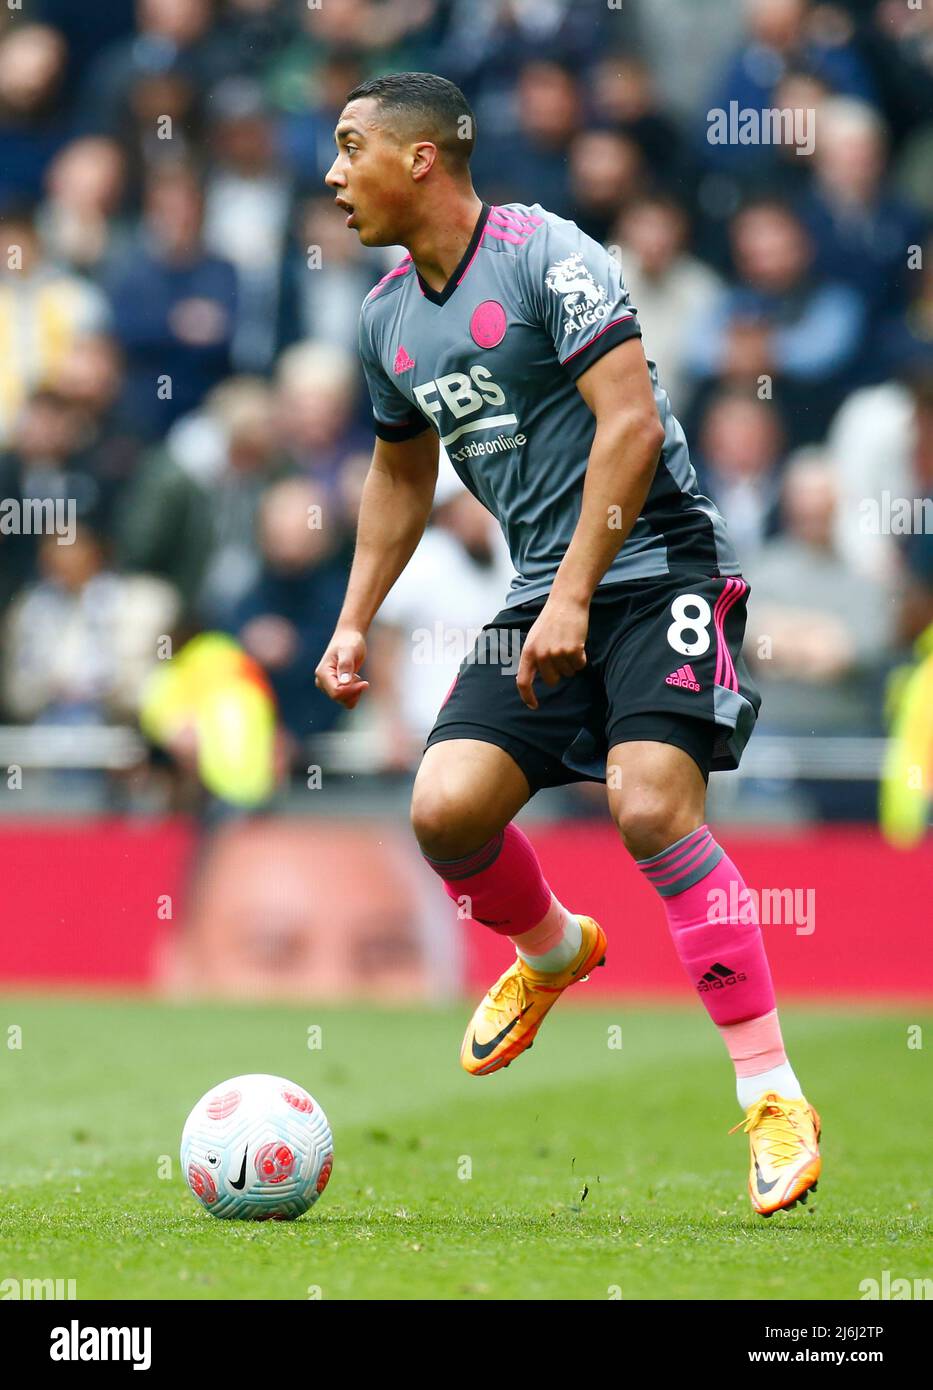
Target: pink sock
[
  {"x": 499, "y": 885},
  {"x": 714, "y": 925},
  {"x": 756, "y": 1045}
]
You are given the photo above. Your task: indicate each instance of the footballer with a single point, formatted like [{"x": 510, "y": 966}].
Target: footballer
[{"x": 507, "y": 336}]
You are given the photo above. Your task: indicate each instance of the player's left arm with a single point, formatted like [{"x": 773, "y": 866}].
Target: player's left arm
[{"x": 622, "y": 462}]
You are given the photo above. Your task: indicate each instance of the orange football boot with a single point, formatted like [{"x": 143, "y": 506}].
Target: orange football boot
[
  {"x": 511, "y": 1013},
  {"x": 784, "y": 1137}
]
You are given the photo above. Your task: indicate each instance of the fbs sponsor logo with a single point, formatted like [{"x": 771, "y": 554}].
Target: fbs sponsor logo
[
  {"x": 684, "y": 677},
  {"x": 720, "y": 976},
  {"x": 584, "y": 301},
  {"x": 456, "y": 397}
]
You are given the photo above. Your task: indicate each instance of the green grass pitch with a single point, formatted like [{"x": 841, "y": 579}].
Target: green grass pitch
[{"x": 585, "y": 1171}]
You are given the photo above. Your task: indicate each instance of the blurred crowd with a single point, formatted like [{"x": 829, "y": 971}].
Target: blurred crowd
[{"x": 178, "y": 316}]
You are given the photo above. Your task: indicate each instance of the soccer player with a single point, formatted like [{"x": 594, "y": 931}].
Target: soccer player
[{"x": 507, "y": 335}]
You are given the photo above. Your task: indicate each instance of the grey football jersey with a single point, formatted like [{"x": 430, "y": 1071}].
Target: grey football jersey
[{"x": 491, "y": 363}]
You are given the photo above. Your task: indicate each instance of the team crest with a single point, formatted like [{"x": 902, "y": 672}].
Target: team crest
[{"x": 584, "y": 302}]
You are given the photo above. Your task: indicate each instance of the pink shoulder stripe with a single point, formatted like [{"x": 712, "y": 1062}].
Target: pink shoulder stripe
[
  {"x": 403, "y": 267},
  {"x": 519, "y": 220},
  {"x": 514, "y": 235}
]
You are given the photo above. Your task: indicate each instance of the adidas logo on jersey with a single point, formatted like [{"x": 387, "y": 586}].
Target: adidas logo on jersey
[
  {"x": 683, "y": 677},
  {"x": 402, "y": 363}
]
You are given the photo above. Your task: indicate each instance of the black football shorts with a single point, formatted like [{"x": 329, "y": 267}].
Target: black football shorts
[{"x": 664, "y": 663}]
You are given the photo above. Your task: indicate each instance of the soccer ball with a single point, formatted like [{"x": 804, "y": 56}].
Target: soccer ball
[{"x": 257, "y": 1148}]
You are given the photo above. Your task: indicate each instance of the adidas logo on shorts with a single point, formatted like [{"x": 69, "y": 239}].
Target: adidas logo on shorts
[{"x": 683, "y": 677}]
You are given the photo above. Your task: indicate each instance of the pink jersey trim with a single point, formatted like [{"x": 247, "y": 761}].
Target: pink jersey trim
[
  {"x": 471, "y": 260},
  {"x": 596, "y": 336},
  {"x": 725, "y": 668}
]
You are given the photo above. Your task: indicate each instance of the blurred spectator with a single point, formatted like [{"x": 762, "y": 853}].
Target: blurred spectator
[
  {"x": 483, "y": 45},
  {"x": 898, "y": 39},
  {"x": 34, "y": 469},
  {"x": 779, "y": 321},
  {"x": 669, "y": 287},
  {"x": 376, "y": 32},
  {"x": 606, "y": 172},
  {"x": 191, "y": 514},
  {"x": 174, "y": 306},
  {"x": 316, "y": 391},
  {"x": 741, "y": 448},
  {"x": 287, "y": 615},
  {"x": 780, "y": 35},
  {"x": 32, "y": 128},
  {"x": 173, "y": 56},
  {"x": 87, "y": 31},
  {"x": 247, "y": 201},
  {"x": 80, "y": 641},
  {"x": 624, "y": 95},
  {"x": 917, "y": 544},
  {"x": 43, "y": 310},
  {"x": 881, "y": 443},
  {"x": 530, "y": 165},
  {"x": 251, "y": 33},
  {"x": 905, "y": 340},
  {"x": 861, "y": 229},
  {"x": 79, "y": 219},
  {"x": 682, "y": 43},
  {"x": 324, "y": 270},
  {"x": 456, "y": 581},
  {"x": 306, "y": 128},
  {"x": 90, "y": 379},
  {"x": 819, "y": 632}
]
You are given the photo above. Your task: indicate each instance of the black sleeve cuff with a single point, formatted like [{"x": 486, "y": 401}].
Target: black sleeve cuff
[
  {"x": 397, "y": 434},
  {"x": 580, "y": 361}
]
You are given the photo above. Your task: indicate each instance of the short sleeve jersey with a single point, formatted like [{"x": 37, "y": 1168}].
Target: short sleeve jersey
[{"x": 491, "y": 363}]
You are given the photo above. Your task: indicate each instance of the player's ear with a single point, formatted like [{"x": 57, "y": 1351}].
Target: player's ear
[{"x": 423, "y": 156}]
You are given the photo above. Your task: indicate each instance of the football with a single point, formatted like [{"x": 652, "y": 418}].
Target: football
[{"x": 257, "y": 1148}]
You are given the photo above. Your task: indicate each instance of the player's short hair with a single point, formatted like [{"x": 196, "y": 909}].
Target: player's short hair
[{"x": 424, "y": 106}]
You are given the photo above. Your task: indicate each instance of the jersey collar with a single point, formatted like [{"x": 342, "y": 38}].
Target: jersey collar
[{"x": 442, "y": 296}]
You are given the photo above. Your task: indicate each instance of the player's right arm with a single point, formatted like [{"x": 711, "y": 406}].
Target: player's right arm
[{"x": 394, "y": 511}]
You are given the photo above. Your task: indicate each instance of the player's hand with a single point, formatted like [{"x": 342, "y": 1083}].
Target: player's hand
[
  {"x": 555, "y": 647},
  {"x": 337, "y": 669}
]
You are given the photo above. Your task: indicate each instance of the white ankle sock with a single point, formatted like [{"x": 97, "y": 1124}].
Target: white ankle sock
[
  {"x": 560, "y": 955},
  {"x": 780, "y": 1079}
]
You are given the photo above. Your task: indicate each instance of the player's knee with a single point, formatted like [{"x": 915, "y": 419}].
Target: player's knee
[
  {"x": 648, "y": 820},
  {"x": 441, "y": 820}
]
